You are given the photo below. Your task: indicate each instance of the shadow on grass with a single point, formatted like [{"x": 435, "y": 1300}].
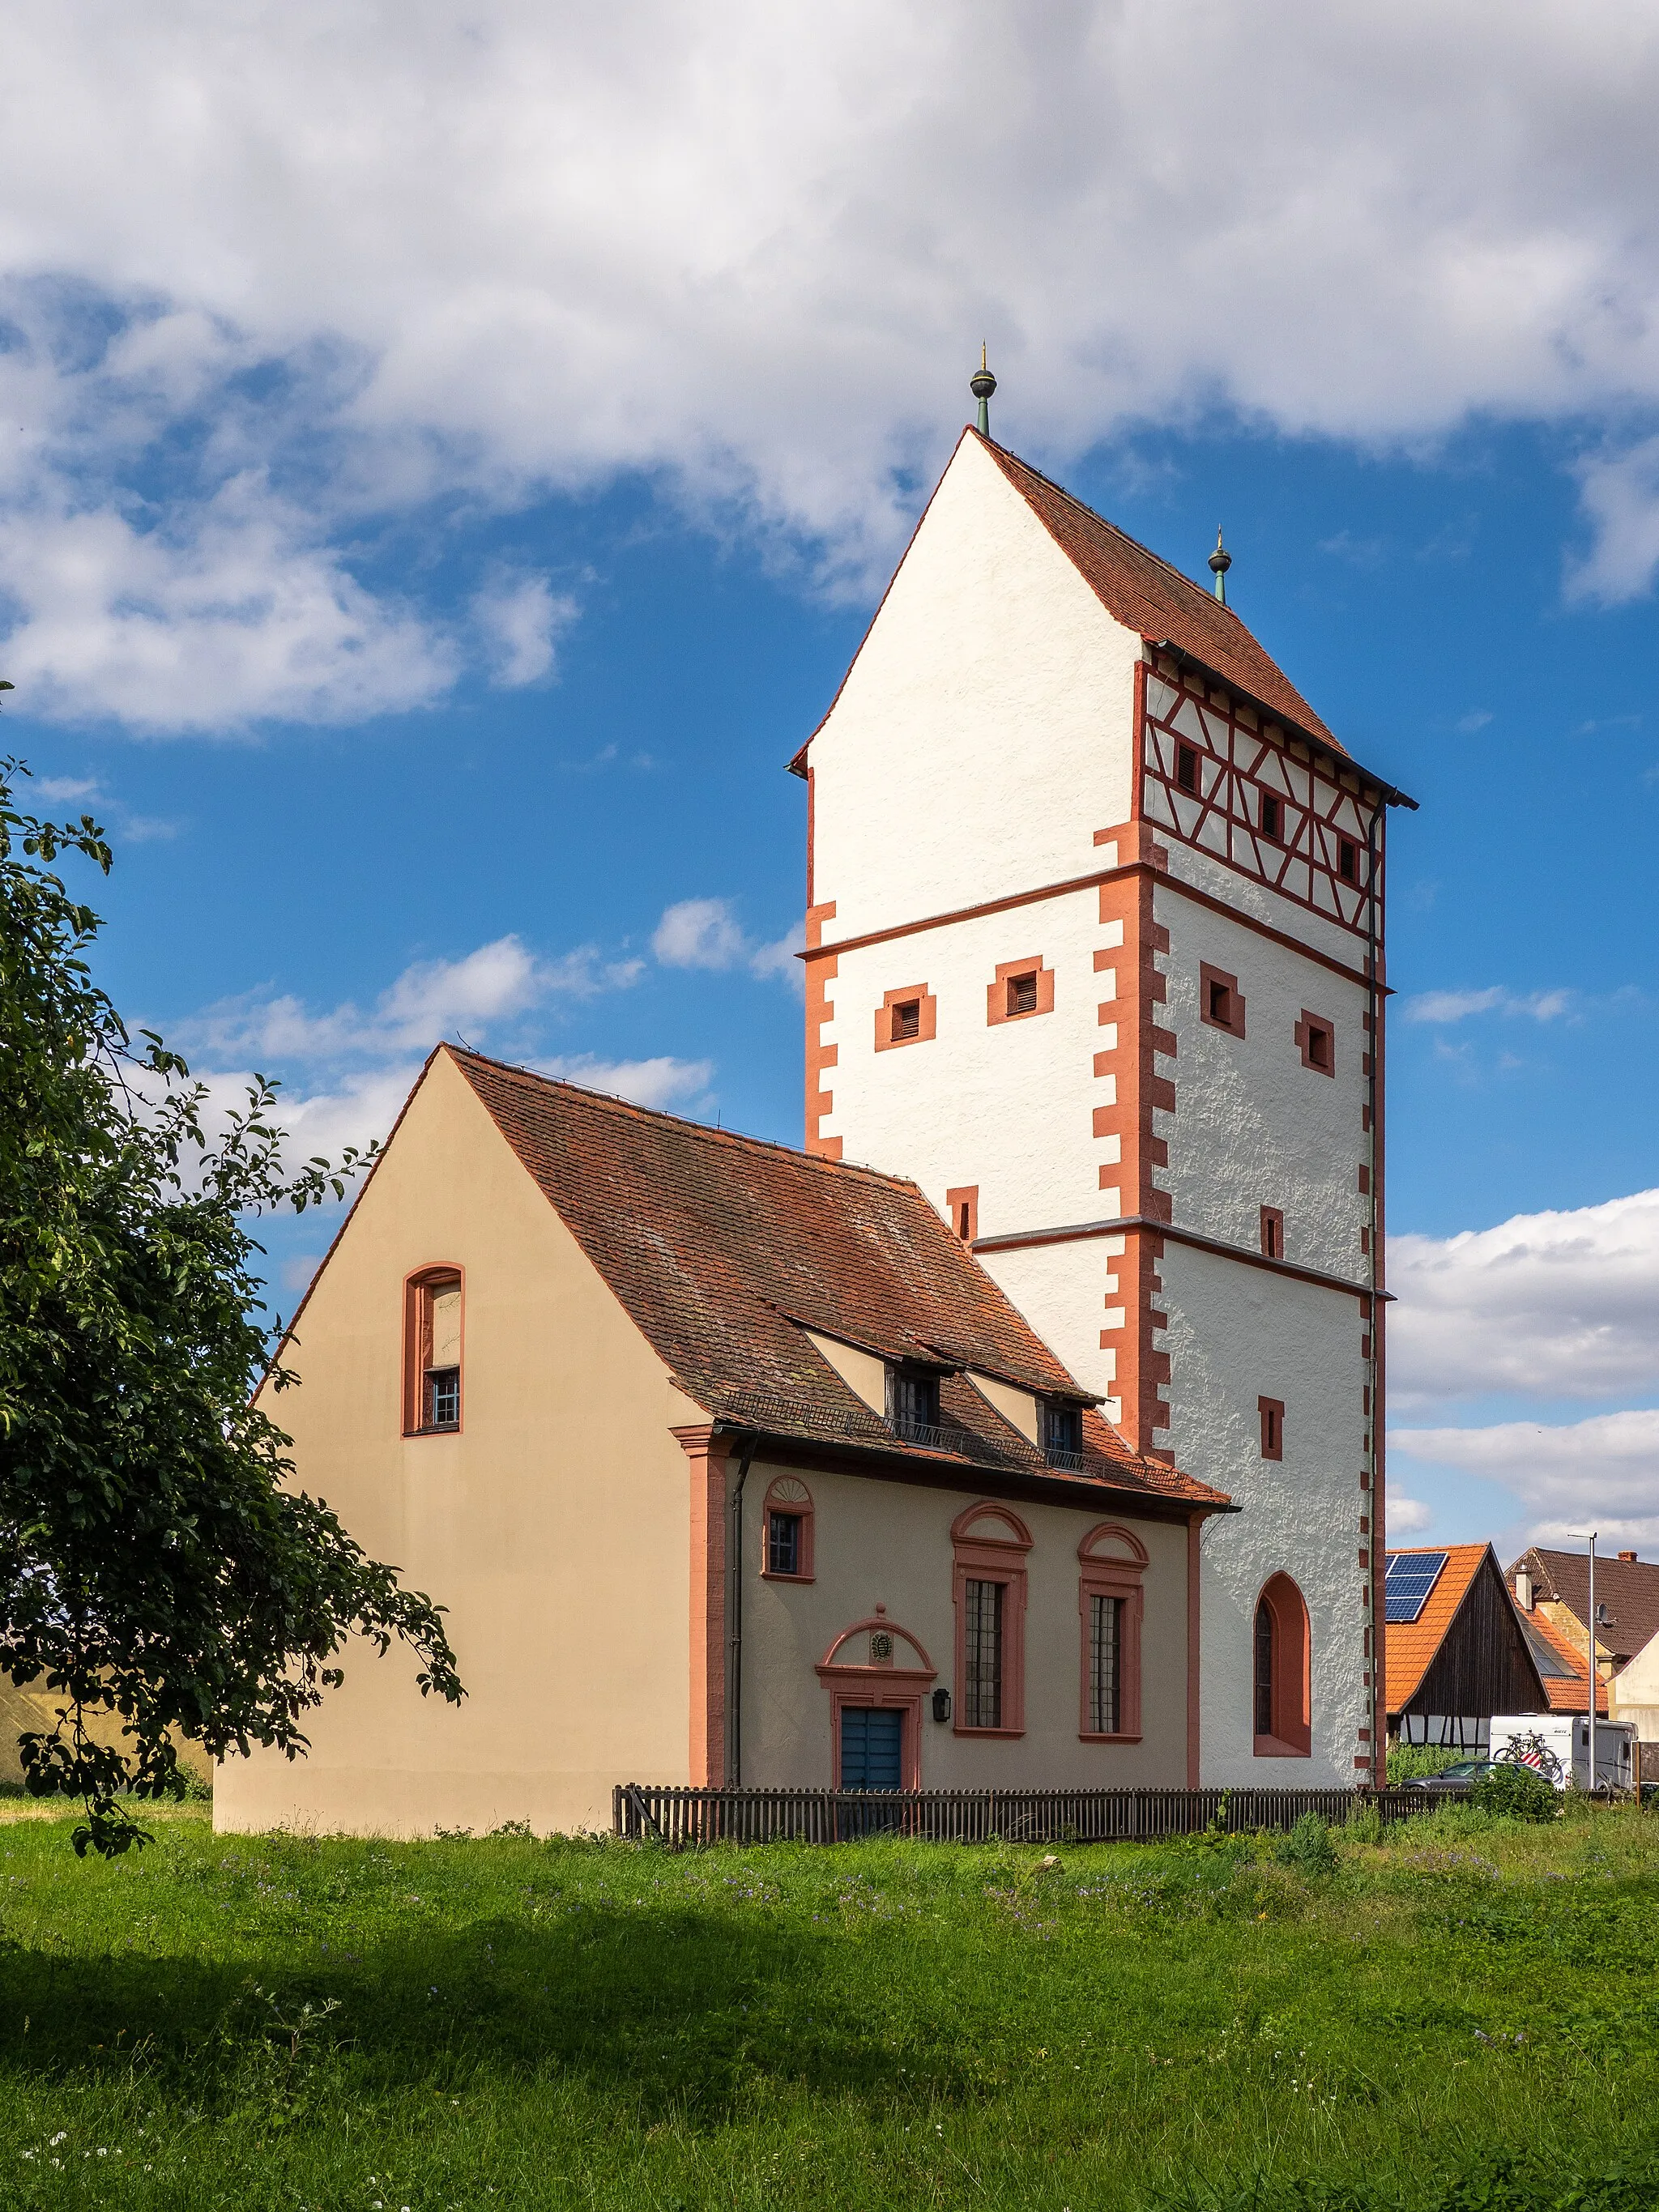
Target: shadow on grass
[{"x": 679, "y": 2013}]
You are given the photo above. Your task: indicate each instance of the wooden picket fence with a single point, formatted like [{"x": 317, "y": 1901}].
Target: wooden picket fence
[{"x": 669, "y": 1813}]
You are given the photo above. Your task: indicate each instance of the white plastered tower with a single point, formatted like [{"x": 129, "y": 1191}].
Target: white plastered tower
[{"x": 1094, "y": 952}]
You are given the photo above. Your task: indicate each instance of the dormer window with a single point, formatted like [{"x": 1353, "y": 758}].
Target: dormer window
[
  {"x": 1272, "y": 817},
  {"x": 1062, "y": 1433},
  {"x": 912, "y": 1399},
  {"x": 1347, "y": 860},
  {"x": 1186, "y": 768}
]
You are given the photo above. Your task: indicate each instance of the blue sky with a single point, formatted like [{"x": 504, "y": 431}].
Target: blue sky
[{"x": 426, "y": 539}]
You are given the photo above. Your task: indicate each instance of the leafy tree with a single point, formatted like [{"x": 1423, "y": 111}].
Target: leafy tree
[{"x": 153, "y": 1565}]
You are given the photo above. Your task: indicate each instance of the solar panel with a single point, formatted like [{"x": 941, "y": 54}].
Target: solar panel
[{"x": 1411, "y": 1575}]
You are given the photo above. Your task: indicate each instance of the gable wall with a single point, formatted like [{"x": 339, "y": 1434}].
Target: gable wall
[
  {"x": 991, "y": 682},
  {"x": 555, "y": 1527}
]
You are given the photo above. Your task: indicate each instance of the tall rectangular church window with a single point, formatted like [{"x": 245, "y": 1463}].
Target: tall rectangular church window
[
  {"x": 982, "y": 1655},
  {"x": 1105, "y": 1665}
]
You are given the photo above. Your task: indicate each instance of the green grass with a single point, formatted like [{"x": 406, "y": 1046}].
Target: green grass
[{"x": 1467, "y": 2014}]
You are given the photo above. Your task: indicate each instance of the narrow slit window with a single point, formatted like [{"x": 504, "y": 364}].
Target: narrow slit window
[
  {"x": 982, "y": 1655},
  {"x": 965, "y": 1222},
  {"x": 1347, "y": 860},
  {"x": 1221, "y": 1006},
  {"x": 1271, "y": 1411},
  {"x": 1186, "y": 768},
  {"x": 1272, "y": 1233},
  {"x": 906, "y": 1020},
  {"x": 1105, "y": 1665},
  {"x": 1319, "y": 1047},
  {"x": 1271, "y": 817},
  {"x": 1023, "y": 994}
]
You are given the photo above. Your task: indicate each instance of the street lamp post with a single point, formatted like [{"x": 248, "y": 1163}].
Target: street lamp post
[{"x": 1589, "y": 1534}]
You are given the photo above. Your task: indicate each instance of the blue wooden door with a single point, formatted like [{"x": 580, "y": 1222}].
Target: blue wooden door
[{"x": 871, "y": 1748}]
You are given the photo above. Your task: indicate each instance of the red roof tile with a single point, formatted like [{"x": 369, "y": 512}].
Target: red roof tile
[
  {"x": 1562, "y": 1670},
  {"x": 1409, "y": 1646},
  {"x": 1628, "y": 1588},
  {"x": 726, "y": 1250}
]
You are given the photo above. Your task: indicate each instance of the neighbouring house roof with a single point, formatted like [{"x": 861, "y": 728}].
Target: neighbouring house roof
[
  {"x": 724, "y": 1251},
  {"x": 1628, "y": 1588},
  {"x": 1409, "y": 1646},
  {"x": 1561, "y": 1669}
]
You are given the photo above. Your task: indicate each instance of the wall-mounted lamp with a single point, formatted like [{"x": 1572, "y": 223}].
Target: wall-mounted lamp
[{"x": 941, "y": 1705}]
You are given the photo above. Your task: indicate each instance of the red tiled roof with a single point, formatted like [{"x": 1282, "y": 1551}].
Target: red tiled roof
[
  {"x": 1145, "y": 594},
  {"x": 1409, "y": 1646},
  {"x": 1562, "y": 1670},
  {"x": 725, "y": 1251},
  {"x": 1628, "y": 1588}
]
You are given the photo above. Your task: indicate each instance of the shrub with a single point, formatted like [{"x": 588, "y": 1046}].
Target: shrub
[
  {"x": 1409, "y": 1762},
  {"x": 1517, "y": 1792},
  {"x": 1308, "y": 1848}
]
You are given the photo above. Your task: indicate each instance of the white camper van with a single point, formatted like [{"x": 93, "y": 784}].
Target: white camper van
[{"x": 1567, "y": 1735}]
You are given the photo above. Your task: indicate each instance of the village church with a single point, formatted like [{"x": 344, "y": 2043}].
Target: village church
[{"x": 1023, "y": 1429}]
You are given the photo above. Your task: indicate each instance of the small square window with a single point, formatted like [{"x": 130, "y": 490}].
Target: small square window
[
  {"x": 906, "y": 1020},
  {"x": 1271, "y": 1411},
  {"x": 1317, "y": 1039},
  {"x": 1186, "y": 768},
  {"x": 1272, "y": 1233},
  {"x": 1271, "y": 817},
  {"x": 1347, "y": 860},
  {"x": 1220, "y": 1001},
  {"x": 1022, "y": 995},
  {"x": 443, "y": 1398}
]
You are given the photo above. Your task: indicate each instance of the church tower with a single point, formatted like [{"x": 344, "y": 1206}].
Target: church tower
[{"x": 1095, "y": 954}]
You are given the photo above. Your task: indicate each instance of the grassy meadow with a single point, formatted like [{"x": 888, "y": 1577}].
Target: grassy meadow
[{"x": 1466, "y": 2013}]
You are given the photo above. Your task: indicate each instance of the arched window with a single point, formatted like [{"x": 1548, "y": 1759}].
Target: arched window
[
  {"x": 1111, "y": 1564},
  {"x": 786, "y": 1531},
  {"x": 990, "y": 1544},
  {"x": 1280, "y": 1672},
  {"x": 432, "y": 1352}
]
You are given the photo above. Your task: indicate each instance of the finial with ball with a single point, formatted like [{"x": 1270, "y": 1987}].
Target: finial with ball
[
  {"x": 1220, "y": 561},
  {"x": 983, "y": 384}
]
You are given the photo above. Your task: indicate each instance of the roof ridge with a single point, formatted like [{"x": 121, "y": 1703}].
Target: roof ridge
[
  {"x": 613, "y": 1101},
  {"x": 1117, "y": 528}
]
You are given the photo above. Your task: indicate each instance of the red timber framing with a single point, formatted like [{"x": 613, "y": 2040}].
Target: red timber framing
[{"x": 1242, "y": 760}]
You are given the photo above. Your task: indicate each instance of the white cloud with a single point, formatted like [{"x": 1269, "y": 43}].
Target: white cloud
[
  {"x": 1602, "y": 1472},
  {"x": 431, "y": 1000},
  {"x": 1546, "y": 1305},
  {"x": 1458, "y": 1006},
  {"x": 521, "y": 618},
  {"x": 660, "y": 1083},
  {"x": 1407, "y": 1516},
  {"x": 277, "y": 273},
  {"x": 1619, "y": 492},
  {"x": 60, "y": 790},
  {"x": 704, "y": 932}
]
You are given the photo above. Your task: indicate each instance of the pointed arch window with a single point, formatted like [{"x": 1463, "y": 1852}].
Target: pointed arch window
[{"x": 1280, "y": 1672}]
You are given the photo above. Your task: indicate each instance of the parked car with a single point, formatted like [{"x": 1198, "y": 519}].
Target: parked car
[{"x": 1451, "y": 1777}]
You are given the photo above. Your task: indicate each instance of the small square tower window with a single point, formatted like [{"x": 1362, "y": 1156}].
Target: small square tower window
[
  {"x": 1347, "y": 860},
  {"x": 1220, "y": 1001},
  {"x": 1186, "y": 768},
  {"x": 1023, "y": 992},
  {"x": 1317, "y": 1039},
  {"x": 906, "y": 1020},
  {"x": 908, "y": 1015},
  {"x": 1272, "y": 817}
]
